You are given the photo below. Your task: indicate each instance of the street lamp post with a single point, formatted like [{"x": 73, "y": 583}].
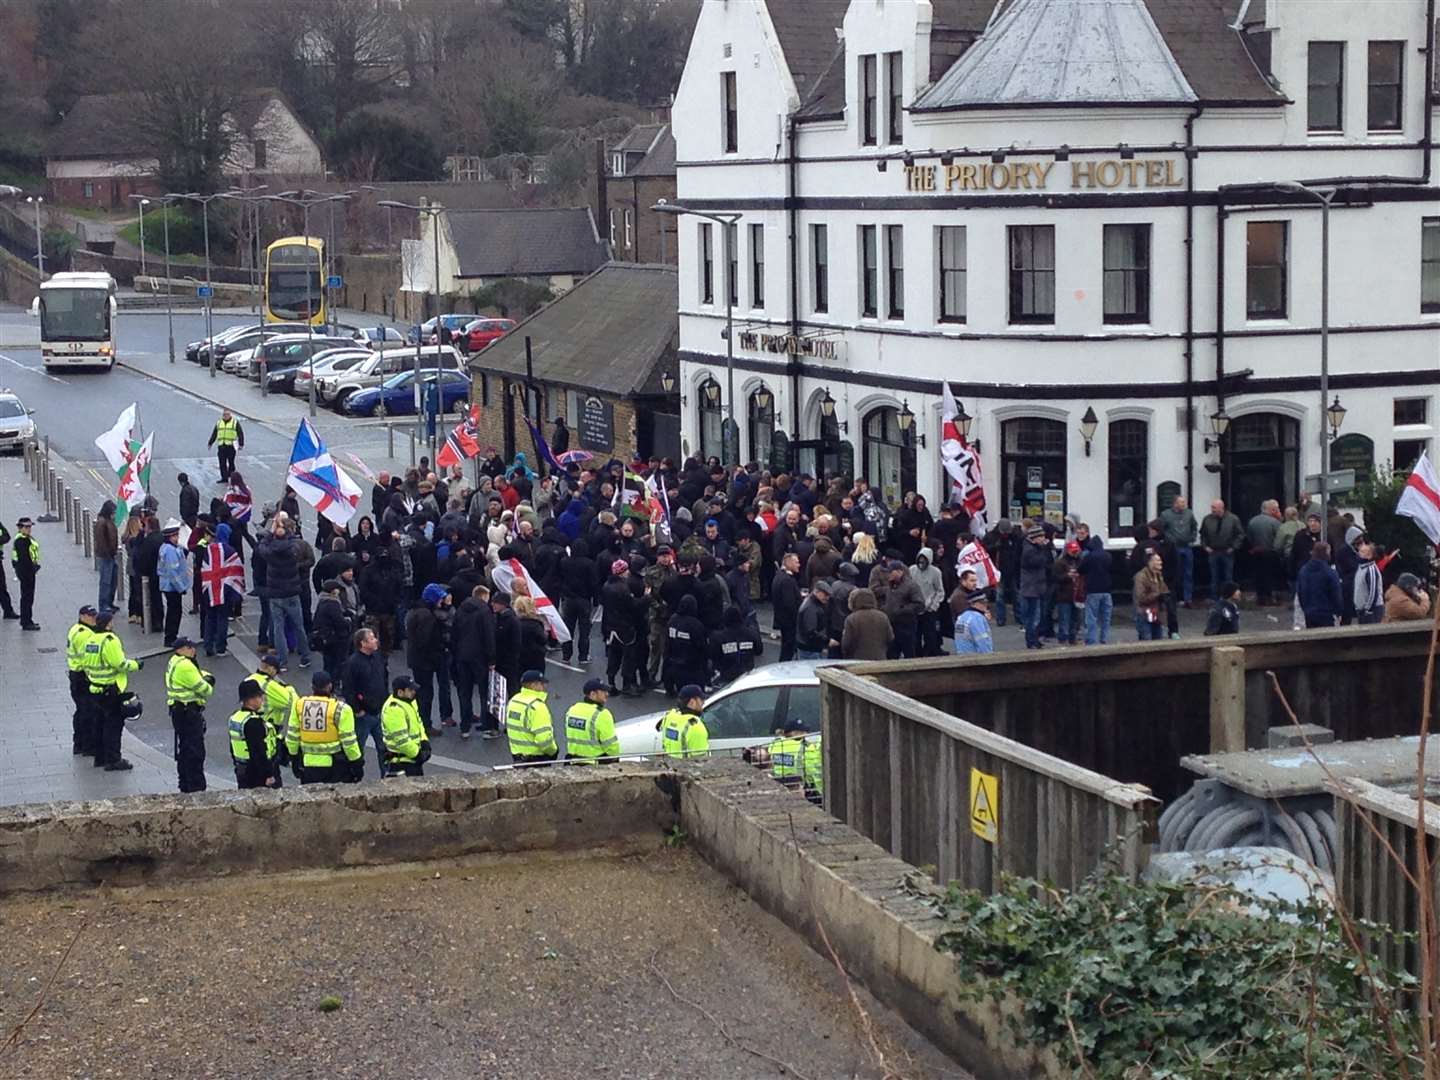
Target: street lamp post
[
  {"x": 204, "y": 201},
  {"x": 169, "y": 303},
  {"x": 36, "y": 200},
  {"x": 142, "y": 202},
  {"x": 730, "y": 437},
  {"x": 433, "y": 212}
]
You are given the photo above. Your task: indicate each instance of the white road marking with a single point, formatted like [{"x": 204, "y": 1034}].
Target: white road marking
[
  {"x": 38, "y": 371},
  {"x": 567, "y": 667}
]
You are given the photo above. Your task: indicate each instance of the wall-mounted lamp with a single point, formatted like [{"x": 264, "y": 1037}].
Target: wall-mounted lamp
[
  {"x": 1063, "y": 154},
  {"x": 827, "y": 412},
  {"x": 764, "y": 399},
  {"x": 908, "y": 158},
  {"x": 1219, "y": 424},
  {"x": 1336, "y": 415},
  {"x": 881, "y": 164},
  {"x": 906, "y": 420},
  {"x": 947, "y": 160},
  {"x": 997, "y": 158},
  {"x": 1127, "y": 153},
  {"x": 963, "y": 420},
  {"x": 1088, "y": 424},
  {"x": 667, "y": 382},
  {"x": 712, "y": 392}
]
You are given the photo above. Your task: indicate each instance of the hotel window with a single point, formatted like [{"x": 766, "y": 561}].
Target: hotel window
[
  {"x": 1430, "y": 264},
  {"x": 1385, "y": 85},
  {"x": 894, "y": 96},
  {"x": 762, "y": 427},
  {"x": 950, "y": 240},
  {"x": 820, "y": 267},
  {"x": 868, "y": 134},
  {"x": 1129, "y": 453},
  {"x": 707, "y": 263},
  {"x": 1032, "y": 273},
  {"x": 869, "y": 273},
  {"x": 1266, "y": 255},
  {"x": 629, "y": 231},
  {"x": 1127, "y": 273},
  {"x": 895, "y": 271},
  {"x": 732, "y": 264},
  {"x": 757, "y": 266},
  {"x": 731, "y": 119},
  {"x": 1410, "y": 411},
  {"x": 1407, "y": 452},
  {"x": 1325, "y": 109}
]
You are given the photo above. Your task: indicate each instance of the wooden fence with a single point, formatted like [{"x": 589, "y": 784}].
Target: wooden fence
[
  {"x": 899, "y": 771},
  {"x": 1131, "y": 712}
]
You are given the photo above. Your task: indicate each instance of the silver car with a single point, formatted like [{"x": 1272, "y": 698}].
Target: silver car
[
  {"x": 15, "y": 424},
  {"x": 336, "y": 387}
]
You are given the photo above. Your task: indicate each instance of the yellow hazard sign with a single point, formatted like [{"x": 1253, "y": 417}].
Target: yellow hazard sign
[{"x": 985, "y": 805}]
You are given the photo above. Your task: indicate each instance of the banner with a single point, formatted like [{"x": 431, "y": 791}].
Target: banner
[
  {"x": 115, "y": 443},
  {"x": 973, "y": 556},
  {"x": 963, "y": 465},
  {"x": 463, "y": 442},
  {"x": 134, "y": 478},
  {"x": 510, "y": 573},
  {"x": 316, "y": 478},
  {"x": 632, "y": 497},
  {"x": 1420, "y": 501}
]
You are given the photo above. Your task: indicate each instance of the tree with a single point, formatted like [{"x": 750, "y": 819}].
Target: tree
[
  {"x": 356, "y": 43},
  {"x": 371, "y": 146},
  {"x": 505, "y": 111}
]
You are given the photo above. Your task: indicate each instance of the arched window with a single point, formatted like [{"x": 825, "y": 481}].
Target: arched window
[
  {"x": 1033, "y": 466},
  {"x": 1129, "y": 456},
  {"x": 711, "y": 419},
  {"x": 761, "y": 410},
  {"x": 889, "y": 455}
]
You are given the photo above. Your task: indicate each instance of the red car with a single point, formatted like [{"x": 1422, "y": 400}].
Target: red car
[{"x": 482, "y": 332}]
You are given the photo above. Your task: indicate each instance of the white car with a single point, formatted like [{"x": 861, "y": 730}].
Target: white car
[
  {"x": 337, "y": 386},
  {"x": 16, "y": 427},
  {"x": 748, "y": 712},
  {"x": 330, "y": 362}
]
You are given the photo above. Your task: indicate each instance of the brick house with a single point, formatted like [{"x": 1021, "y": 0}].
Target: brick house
[
  {"x": 597, "y": 356},
  {"x": 639, "y": 171}
]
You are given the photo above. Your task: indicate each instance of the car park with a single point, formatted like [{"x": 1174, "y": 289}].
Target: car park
[
  {"x": 331, "y": 361},
  {"x": 251, "y": 337},
  {"x": 482, "y": 332},
  {"x": 337, "y": 386},
  {"x": 398, "y": 393},
  {"x": 16, "y": 425},
  {"x": 747, "y": 712},
  {"x": 380, "y": 337},
  {"x": 454, "y": 323},
  {"x": 290, "y": 350}
]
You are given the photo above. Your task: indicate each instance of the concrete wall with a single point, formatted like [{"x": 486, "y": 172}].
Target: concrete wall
[
  {"x": 812, "y": 872},
  {"x": 130, "y": 841},
  {"x": 19, "y": 281}
]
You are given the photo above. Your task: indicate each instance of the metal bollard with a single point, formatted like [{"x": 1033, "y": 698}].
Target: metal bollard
[
  {"x": 144, "y": 587},
  {"x": 51, "y": 483},
  {"x": 412, "y": 448},
  {"x": 40, "y": 475},
  {"x": 75, "y": 514},
  {"x": 390, "y": 431},
  {"x": 25, "y": 453},
  {"x": 65, "y": 504},
  {"x": 122, "y": 573},
  {"x": 87, "y": 530}
]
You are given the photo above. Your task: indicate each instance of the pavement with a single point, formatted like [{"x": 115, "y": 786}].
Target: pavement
[{"x": 650, "y": 966}]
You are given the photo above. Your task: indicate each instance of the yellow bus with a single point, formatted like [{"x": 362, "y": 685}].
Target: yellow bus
[{"x": 294, "y": 280}]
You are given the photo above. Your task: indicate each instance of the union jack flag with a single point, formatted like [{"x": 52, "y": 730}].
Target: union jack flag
[
  {"x": 463, "y": 443},
  {"x": 223, "y": 569}
]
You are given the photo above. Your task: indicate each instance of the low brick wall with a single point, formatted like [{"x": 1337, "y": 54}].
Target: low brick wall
[
  {"x": 809, "y": 870},
  {"x": 167, "y": 838}
]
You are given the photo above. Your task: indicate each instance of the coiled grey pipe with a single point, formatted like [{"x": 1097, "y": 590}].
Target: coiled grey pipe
[
  {"x": 1235, "y": 827},
  {"x": 1200, "y": 837},
  {"x": 1320, "y": 854},
  {"x": 1326, "y": 820}
]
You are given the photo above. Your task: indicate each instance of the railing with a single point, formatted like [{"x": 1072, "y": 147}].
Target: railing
[{"x": 900, "y": 772}]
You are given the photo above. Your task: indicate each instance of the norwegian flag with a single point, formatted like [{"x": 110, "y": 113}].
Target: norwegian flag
[
  {"x": 463, "y": 443},
  {"x": 223, "y": 569},
  {"x": 318, "y": 480},
  {"x": 963, "y": 465}
]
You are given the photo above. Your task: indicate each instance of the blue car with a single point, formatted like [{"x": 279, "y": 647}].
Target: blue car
[{"x": 398, "y": 393}]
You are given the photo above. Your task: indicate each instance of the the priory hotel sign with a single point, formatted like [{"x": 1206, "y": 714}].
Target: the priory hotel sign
[
  {"x": 1103, "y": 174},
  {"x": 815, "y": 348}
]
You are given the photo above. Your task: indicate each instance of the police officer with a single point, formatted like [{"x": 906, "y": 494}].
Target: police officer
[
  {"x": 682, "y": 732},
  {"x": 254, "y": 748},
  {"x": 528, "y": 724},
  {"x": 795, "y": 759},
  {"x": 25, "y": 557},
  {"x": 226, "y": 438},
  {"x": 407, "y": 746},
  {"x": 83, "y": 723},
  {"x": 590, "y": 727},
  {"x": 187, "y": 689},
  {"x": 107, "y": 671},
  {"x": 321, "y": 737},
  {"x": 279, "y": 702}
]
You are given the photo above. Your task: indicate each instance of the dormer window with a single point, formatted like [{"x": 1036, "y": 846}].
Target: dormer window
[{"x": 617, "y": 164}]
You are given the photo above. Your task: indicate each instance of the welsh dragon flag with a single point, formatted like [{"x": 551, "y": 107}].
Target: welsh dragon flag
[{"x": 130, "y": 460}]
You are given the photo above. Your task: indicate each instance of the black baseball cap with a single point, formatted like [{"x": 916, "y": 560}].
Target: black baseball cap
[
  {"x": 403, "y": 682},
  {"x": 591, "y": 685}
]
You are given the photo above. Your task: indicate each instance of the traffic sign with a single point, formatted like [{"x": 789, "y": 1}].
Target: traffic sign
[
  {"x": 985, "y": 805},
  {"x": 334, "y": 281},
  {"x": 205, "y": 292},
  {"x": 1341, "y": 481}
]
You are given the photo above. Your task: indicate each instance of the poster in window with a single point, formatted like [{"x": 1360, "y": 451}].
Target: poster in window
[
  {"x": 1034, "y": 476},
  {"x": 1055, "y": 506},
  {"x": 1125, "y": 517}
]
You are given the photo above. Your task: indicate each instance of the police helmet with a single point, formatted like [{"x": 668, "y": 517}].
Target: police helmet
[{"x": 131, "y": 707}]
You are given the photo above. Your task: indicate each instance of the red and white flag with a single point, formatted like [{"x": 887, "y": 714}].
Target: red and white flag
[
  {"x": 973, "y": 556},
  {"x": 463, "y": 443},
  {"x": 223, "y": 569},
  {"x": 963, "y": 465},
  {"x": 509, "y": 574},
  {"x": 1420, "y": 501}
]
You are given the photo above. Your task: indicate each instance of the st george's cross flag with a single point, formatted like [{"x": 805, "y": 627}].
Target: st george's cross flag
[
  {"x": 223, "y": 569},
  {"x": 318, "y": 480},
  {"x": 463, "y": 443},
  {"x": 963, "y": 465},
  {"x": 1420, "y": 501},
  {"x": 973, "y": 556},
  {"x": 510, "y": 574}
]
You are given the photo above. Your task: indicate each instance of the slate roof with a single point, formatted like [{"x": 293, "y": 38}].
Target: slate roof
[
  {"x": 639, "y": 138},
  {"x": 99, "y": 126},
  {"x": 1213, "y": 57},
  {"x": 525, "y": 243},
  {"x": 806, "y": 29},
  {"x": 607, "y": 334},
  {"x": 660, "y": 161}
]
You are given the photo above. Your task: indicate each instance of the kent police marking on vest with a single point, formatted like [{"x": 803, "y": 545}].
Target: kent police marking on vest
[{"x": 985, "y": 806}]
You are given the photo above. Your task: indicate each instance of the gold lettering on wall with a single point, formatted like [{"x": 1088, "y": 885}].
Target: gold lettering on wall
[{"x": 1103, "y": 174}]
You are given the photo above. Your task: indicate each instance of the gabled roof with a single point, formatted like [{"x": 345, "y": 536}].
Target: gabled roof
[
  {"x": 1214, "y": 58},
  {"x": 807, "y": 33},
  {"x": 99, "y": 126},
  {"x": 660, "y": 161},
  {"x": 525, "y": 243},
  {"x": 639, "y": 139},
  {"x": 606, "y": 335},
  {"x": 1064, "y": 52}
]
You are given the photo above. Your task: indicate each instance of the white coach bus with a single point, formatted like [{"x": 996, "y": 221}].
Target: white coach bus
[{"x": 77, "y": 320}]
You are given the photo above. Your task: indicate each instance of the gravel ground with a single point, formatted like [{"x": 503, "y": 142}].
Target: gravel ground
[{"x": 534, "y": 968}]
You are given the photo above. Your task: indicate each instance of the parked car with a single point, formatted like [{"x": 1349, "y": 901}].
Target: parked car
[
  {"x": 282, "y": 379},
  {"x": 199, "y": 351},
  {"x": 427, "y": 328},
  {"x": 398, "y": 393},
  {"x": 251, "y": 336},
  {"x": 482, "y": 332},
  {"x": 748, "y": 712},
  {"x": 290, "y": 350},
  {"x": 381, "y": 337},
  {"x": 15, "y": 423},
  {"x": 337, "y": 386},
  {"x": 332, "y": 361}
]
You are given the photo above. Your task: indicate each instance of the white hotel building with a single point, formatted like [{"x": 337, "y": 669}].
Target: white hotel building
[{"x": 1067, "y": 210}]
